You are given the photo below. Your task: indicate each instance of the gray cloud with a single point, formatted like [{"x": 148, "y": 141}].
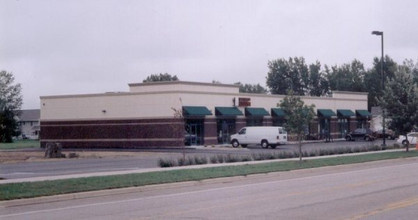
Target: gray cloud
[{"x": 72, "y": 47}]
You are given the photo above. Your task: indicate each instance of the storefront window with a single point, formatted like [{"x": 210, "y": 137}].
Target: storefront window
[
  {"x": 254, "y": 121},
  {"x": 278, "y": 121},
  {"x": 362, "y": 123},
  {"x": 324, "y": 128},
  {"x": 225, "y": 128}
]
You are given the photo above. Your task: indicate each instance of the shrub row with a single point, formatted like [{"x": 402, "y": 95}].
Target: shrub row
[{"x": 229, "y": 158}]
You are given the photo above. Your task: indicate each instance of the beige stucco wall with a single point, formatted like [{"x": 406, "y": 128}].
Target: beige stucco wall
[
  {"x": 157, "y": 101},
  {"x": 108, "y": 106}
]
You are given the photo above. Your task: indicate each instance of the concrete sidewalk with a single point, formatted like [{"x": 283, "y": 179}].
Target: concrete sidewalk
[{"x": 111, "y": 173}]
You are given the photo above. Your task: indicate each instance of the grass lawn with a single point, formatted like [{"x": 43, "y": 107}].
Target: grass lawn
[
  {"x": 48, "y": 188},
  {"x": 18, "y": 144}
]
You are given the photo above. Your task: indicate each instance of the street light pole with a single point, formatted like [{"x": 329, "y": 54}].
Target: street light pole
[{"x": 380, "y": 33}]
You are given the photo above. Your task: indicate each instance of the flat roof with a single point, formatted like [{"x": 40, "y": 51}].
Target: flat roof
[{"x": 182, "y": 82}]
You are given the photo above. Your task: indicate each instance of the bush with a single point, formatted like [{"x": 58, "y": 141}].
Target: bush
[
  {"x": 231, "y": 159},
  {"x": 339, "y": 151},
  {"x": 313, "y": 153},
  {"x": 73, "y": 155},
  {"x": 268, "y": 156},
  {"x": 213, "y": 159},
  {"x": 256, "y": 157},
  {"x": 282, "y": 155},
  {"x": 221, "y": 158},
  {"x": 364, "y": 149},
  {"x": 200, "y": 160},
  {"x": 263, "y": 156},
  {"x": 396, "y": 146},
  {"x": 373, "y": 148},
  {"x": 246, "y": 158},
  {"x": 181, "y": 161},
  {"x": 166, "y": 162},
  {"x": 186, "y": 161},
  {"x": 189, "y": 161}
]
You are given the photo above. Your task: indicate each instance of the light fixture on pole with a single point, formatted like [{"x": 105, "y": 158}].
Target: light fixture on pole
[{"x": 380, "y": 33}]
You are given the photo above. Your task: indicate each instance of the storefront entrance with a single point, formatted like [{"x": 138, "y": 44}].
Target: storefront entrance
[
  {"x": 225, "y": 128},
  {"x": 324, "y": 128},
  {"x": 194, "y": 132},
  {"x": 343, "y": 127}
]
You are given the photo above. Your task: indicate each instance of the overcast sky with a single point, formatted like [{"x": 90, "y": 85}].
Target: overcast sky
[{"x": 74, "y": 47}]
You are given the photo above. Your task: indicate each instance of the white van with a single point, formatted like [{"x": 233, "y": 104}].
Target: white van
[{"x": 264, "y": 136}]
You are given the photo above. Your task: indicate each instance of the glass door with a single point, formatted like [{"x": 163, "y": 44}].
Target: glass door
[
  {"x": 194, "y": 132},
  {"x": 225, "y": 127},
  {"x": 343, "y": 127}
]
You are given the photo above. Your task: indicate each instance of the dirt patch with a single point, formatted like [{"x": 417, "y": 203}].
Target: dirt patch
[{"x": 29, "y": 156}]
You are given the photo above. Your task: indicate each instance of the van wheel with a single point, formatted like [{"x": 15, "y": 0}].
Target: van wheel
[
  {"x": 367, "y": 138},
  {"x": 235, "y": 143},
  {"x": 348, "y": 138},
  {"x": 264, "y": 144},
  {"x": 405, "y": 142}
]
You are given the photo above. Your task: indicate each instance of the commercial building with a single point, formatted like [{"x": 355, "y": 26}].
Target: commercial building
[{"x": 162, "y": 114}]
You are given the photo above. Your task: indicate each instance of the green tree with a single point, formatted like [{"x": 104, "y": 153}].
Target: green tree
[
  {"x": 347, "y": 77},
  {"x": 318, "y": 85},
  {"x": 297, "y": 116},
  {"x": 412, "y": 69},
  {"x": 400, "y": 102},
  {"x": 160, "y": 77},
  {"x": 249, "y": 88},
  {"x": 287, "y": 75},
  {"x": 10, "y": 103},
  {"x": 294, "y": 74},
  {"x": 373, "y": 79}
]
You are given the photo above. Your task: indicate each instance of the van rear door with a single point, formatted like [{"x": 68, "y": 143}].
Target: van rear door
[{"x": 282, "y": 135}]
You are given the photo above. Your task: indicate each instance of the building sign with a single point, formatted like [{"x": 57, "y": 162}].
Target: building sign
[{"x": 244, "y": 102}]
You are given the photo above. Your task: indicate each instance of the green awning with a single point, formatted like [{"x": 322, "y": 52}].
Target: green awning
[
  {"x": 227, "y": 111},
  {"x": 277, "y": 112},
  {"x": 345, "y": 113},
  {"x": 326, "y": 113},
  {"x": 196, "y": 111},
  {"x": 256, "y": 112},
  {"x": 363, "y": 114}
]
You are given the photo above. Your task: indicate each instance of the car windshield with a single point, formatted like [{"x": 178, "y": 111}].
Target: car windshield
[{"x": 242, "y": 131}]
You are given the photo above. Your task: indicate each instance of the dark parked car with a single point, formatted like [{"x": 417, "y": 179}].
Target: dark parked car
[
  {"x": 389, "y": 134},
  {"x": 361, "y": 133}
]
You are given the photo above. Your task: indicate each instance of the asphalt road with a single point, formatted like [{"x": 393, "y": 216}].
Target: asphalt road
[
  {"x": 148, "y": 160},
  {"x": 377, "y": 190}
]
